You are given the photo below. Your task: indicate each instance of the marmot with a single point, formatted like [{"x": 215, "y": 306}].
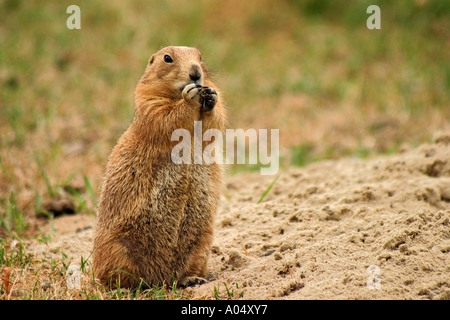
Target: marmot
[{"x": 155, "y": 218}]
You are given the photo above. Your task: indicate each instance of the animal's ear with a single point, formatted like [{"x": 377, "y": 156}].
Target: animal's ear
[{"x": 152, "y": 58}]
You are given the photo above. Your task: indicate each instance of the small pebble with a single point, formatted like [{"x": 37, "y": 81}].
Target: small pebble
[{"x": 45, "y": 284}]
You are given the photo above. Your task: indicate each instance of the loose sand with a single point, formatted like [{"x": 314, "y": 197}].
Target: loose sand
[{"x": 348, "y": 229}]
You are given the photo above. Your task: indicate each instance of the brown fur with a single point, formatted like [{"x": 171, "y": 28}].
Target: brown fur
[{"x": 155, "y": 218}]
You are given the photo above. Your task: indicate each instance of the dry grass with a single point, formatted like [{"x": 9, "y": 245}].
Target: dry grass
[{"x": 312, "y": 70}]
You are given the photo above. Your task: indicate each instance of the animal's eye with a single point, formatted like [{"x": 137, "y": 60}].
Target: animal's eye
[{"x": 168, "y": 59}]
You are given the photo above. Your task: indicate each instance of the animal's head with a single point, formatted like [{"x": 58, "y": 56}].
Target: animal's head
[{"x": 171, "y": 69}]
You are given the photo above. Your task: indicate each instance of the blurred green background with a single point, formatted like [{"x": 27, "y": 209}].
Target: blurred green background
[{"x": 309, "y": 68}]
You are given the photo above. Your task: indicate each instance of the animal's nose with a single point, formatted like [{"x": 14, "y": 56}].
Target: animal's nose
[{"x": 195, "y": 74}]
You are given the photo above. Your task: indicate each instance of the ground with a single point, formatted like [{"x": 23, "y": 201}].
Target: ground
[{"x": 341, "y": 229}]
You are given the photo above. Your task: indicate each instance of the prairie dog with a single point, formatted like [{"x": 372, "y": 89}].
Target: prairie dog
[{"x": 155, "y": 218}]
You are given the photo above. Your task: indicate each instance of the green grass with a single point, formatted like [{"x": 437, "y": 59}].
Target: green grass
[
  {"x": 232, "y": 292},
  {"x": 50, "y": 188},
  {"x": 32, "y": 273},
  {"x": 306, "y": 154},
  {"x": 13, "y": 257},
  {"x": 13, "y": 220}
]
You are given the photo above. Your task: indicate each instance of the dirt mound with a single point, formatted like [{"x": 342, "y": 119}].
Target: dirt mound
[{"x": 346, "y": 229}]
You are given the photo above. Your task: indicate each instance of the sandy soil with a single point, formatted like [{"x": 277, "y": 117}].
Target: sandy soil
[{"x": 346, "y": 229}]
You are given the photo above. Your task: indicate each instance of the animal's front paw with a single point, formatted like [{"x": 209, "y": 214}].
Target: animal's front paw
[
  {"x": 205, "y": 97},
  {"x": 191, "y": 93},
  {"x": 208, "y": 98}
]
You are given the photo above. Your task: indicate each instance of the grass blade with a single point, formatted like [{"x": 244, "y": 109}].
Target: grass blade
[
  {"x": 45, "y": 176},
  {"x": 268, "y": 190},
  {"x": 90, "y": 190}
]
